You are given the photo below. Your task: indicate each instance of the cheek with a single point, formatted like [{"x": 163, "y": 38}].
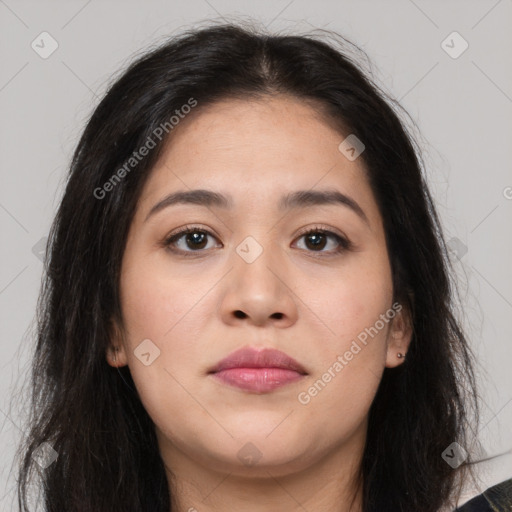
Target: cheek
[
  {"x": 169, "y": 310},
  {"x": 355, "y": 302},
  {"x": 156, "y": 298},
  {"x": 356, "y": 309},
  {"x": 163, "y": 385}
]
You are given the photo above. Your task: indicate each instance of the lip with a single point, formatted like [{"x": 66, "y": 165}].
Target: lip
[{"x": 258, "y": 370}]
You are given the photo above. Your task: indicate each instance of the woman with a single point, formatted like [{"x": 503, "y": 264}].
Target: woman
[{"x": 247, "y": 304}]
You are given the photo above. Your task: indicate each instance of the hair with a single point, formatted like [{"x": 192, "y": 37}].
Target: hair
[{"x": 90, "y": 413}]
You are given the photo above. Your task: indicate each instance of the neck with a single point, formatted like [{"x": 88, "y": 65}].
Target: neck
[{"x": 327, "y": 485}]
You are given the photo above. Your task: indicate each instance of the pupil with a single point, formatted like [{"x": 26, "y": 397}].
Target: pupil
[
  {"x": 319, "y": 239},
  {"x": 197, "y": 238}
]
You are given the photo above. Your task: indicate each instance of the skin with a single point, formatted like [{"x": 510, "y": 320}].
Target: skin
[{"x": 185, "y": 304}]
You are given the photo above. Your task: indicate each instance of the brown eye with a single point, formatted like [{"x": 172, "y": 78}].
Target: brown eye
[
  {"x": 190, "y": 239},
  {"x": 316, "y": 240},
  {"x": 196, "y": 240}
]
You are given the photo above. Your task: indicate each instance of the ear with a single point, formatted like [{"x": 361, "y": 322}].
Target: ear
[
  {"x": 116, "y": 352},
  {"x": 399, "y": 337}
]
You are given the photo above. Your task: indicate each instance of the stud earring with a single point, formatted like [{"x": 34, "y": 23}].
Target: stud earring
[{"x": 400, "y": 355}]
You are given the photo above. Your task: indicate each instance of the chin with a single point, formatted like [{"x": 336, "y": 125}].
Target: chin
[{"x": 258, "y": 454}]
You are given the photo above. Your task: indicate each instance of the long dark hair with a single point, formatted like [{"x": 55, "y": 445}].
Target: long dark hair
[{"x": 90, "y": 413}]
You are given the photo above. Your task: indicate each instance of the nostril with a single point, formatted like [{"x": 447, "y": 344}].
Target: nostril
[
  {"x": 240, "y": 314},
  {"x": 277, "y": 315}
]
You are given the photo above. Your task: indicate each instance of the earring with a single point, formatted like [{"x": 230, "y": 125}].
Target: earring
[{"x": 400, "y": 355}]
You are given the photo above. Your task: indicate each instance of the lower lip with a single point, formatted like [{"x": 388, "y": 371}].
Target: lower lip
[{"x": 259, "y": 380}]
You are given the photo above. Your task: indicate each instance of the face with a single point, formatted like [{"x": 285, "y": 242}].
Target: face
[{"x": 247, "y": 276}]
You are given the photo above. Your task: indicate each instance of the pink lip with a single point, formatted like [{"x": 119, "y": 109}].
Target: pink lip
[{"x": 258, "y": 371}]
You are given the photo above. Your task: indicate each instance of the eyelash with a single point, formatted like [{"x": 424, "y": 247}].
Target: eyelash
[{"x": 343, "y": 243}]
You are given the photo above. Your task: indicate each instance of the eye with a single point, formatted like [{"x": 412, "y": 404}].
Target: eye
[
  {"x": 191, "y": 237},
  {"x": 316, "y": 239},
  {"x": 195, "y": 239}
]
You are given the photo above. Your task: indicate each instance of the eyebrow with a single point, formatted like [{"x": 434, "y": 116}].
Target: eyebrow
[{"x": 290, "y": 201}]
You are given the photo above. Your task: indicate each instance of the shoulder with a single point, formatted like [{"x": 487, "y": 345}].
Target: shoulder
[{"x": 497, "y": 498}]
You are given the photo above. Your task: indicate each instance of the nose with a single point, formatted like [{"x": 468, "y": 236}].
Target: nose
[{"x": 259, "y": 292}]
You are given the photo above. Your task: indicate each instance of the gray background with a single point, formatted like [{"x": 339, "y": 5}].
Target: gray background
[{"x": 463, "y": 107}]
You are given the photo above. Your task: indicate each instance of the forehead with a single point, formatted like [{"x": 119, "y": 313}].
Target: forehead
[{"x": 255, "y": 151}]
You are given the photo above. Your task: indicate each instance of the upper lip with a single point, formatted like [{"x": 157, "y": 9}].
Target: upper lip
[{"x": 249, "y": 357}]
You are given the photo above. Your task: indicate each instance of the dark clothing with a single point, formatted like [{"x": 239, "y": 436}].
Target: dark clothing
[{"x": 497, "y": 498}]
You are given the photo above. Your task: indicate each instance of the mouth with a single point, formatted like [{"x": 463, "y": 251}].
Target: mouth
[{"x": 258, "y": 370}]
